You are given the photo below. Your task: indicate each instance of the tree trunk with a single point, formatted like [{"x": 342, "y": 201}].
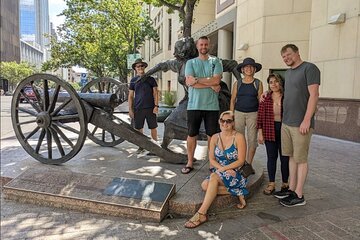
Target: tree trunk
[
  {"x": 188, "y": 18},
  {"x": 122, "y": 75}
]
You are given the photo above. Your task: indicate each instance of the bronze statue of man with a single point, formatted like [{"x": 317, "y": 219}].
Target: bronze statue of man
[{"x": 175, "y": 124}]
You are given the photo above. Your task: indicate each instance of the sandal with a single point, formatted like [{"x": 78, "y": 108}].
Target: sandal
[
  {"x": 242, "y": 204},
  {"x": 186, "y": 170},
  {"x": 195, "y": 221},
  {"x": 284, "y": 186},
  {"x": 269, "y": 189}
]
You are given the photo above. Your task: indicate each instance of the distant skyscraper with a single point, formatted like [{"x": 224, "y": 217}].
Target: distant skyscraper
[
  {"x": 34, "y": 21},
  {"x": 34, "y": 25},
  {"x": 27, "y": 20}
]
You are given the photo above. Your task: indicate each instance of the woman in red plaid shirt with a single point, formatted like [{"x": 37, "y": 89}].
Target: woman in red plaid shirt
[{"x": 269, "y": 132}]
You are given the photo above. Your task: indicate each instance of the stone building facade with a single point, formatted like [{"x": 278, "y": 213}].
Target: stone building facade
[
  {"x": 327, "y": 33},
  {"x": 9, "y": 35}
]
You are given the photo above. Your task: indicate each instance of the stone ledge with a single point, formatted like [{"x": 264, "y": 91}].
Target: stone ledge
[
  {"x": 82, "y": 192},
  {"x": 4, "y": 180},
  {"x": 188, "y": 199}
]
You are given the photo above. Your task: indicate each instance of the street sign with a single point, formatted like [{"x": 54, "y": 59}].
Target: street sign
[
  {"x": 131, "y": 59},
  {"x": 83, "y": 79}
]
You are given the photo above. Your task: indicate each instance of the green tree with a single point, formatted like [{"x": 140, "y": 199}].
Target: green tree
[
  {"x": 15, "y": 72},
  {"x": 185, "y": 8},
  {"x": 76, "y": 86},
  {"x": 98, "y": 35}
]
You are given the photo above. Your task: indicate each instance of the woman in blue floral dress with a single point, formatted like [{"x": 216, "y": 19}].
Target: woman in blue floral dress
[{"x": 227, "y": 154}]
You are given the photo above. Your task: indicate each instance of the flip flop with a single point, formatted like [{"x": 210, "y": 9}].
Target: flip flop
[
  {"x": 195, "y": 221},
  {"x": 241, "y": 206},
  {"x": 186, "y": 170}
]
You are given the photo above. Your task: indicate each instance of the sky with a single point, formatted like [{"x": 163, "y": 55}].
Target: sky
[{"x": 55, "y": 8}]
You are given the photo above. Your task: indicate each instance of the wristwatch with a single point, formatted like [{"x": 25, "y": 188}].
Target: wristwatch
[{"x": 156, "y": 105}]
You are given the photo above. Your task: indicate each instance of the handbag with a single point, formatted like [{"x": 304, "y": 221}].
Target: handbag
[{"x": 246, "y": 169}]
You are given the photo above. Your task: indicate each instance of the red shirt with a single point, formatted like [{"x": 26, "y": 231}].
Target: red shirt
[{"x": 265, "y": 119}]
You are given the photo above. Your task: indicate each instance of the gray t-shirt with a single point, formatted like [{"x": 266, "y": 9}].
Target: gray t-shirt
[{"x": 296, "y": 94}]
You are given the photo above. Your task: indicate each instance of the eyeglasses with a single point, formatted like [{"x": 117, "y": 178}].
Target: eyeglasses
[
  {"x": 228, "y": 121},
  {"x": 140, "y": 66}
]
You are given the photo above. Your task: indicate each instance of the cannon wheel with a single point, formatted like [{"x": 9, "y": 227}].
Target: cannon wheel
[
  {"x": 99, "y": 86},
  {"x": 45, "y": 127}
]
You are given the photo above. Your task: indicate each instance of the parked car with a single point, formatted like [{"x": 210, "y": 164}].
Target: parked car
[{"x": 29, "y": 93}]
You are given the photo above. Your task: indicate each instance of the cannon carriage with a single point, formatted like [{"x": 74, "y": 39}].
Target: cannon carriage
[{"x": 53, "y": 127}]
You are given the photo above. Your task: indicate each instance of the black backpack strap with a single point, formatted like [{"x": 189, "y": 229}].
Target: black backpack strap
[
  {"x": 239, "y": 82},
  {"x": 256, "y": 84}
]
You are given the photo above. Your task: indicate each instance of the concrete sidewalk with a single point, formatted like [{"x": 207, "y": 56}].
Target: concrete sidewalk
[{"x": 332, "y": 194}]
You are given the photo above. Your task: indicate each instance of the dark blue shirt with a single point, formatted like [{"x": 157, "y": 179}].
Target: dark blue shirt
[
  {"x": 247, "y": 98},
  {"x": 144, "y": 97}
]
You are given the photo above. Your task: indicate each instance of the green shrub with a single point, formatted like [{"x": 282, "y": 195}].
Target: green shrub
[
  {"x": 169, "y": 98},
  {"x": 76, "y": 86}
]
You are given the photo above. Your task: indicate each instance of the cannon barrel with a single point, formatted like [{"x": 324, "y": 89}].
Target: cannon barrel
[
  {"x": 108, "y": 100},
  {"x": 105, "y": 100}
]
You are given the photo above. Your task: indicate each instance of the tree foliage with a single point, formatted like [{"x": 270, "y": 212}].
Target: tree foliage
[
  {"x": 15, "y": 72},
  {"x": 185, "y": 8},
  {"x": 98, "y": 35}
]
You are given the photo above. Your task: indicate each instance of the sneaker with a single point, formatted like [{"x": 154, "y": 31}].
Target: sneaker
[
  {"x": 293, "y": 201},
  {"x": 283, "y": 193}
]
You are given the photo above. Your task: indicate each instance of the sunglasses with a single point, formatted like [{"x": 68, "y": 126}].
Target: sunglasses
[
  {"x": 140, "y": 66},
  {"x": 228, "y": 121}
]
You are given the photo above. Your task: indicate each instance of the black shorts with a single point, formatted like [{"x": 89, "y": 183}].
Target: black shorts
[
  {"x": 195, "y": 117},
  {"x": 141, "y": 114}
]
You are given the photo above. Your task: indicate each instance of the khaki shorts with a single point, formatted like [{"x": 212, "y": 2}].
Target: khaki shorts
[
  {"x": 248, "y": 120},
  {"x": 294, "y": 144}
]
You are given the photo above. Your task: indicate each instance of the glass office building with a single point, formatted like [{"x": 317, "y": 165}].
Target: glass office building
[
  {"x": 34, "y": 21},
  {"x": 27, "y": 20},
  {"x": 34, "y": 25}
]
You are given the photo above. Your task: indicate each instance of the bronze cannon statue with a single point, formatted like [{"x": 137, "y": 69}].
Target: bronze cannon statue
[
  {"x": 175, "y": 124},
  {"x": 54, "y": 124}
]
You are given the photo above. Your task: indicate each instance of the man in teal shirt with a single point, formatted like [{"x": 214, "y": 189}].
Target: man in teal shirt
[{"x": 203, "y": 76}]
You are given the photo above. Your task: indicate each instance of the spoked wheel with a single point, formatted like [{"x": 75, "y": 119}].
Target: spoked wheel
[
  {"x": 52, "y": 126},
  {"x": 100, "y": 86},
  {"x": 107, "y": 85}
]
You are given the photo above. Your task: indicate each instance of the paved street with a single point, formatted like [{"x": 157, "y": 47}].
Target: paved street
[{"x": 332, "y": 211}]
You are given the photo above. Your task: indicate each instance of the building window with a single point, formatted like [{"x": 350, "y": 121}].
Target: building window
[
  {"x": 158, "y": 45},
  {"x": 169, "y": 85},
  {"x": 170, "y": 33}
]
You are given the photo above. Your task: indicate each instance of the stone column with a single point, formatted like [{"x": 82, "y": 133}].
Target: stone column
[{"x": 225, "y": 51}]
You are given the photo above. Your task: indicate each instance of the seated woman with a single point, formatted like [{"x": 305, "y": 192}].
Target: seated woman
[{"x": 227, "y": 154}]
